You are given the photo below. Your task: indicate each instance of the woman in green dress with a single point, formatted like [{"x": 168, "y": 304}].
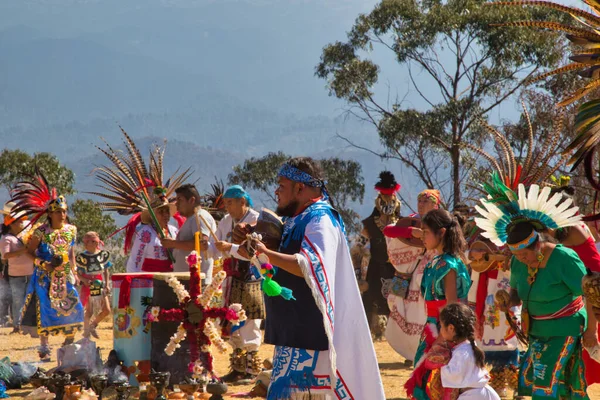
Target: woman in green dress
[
  {"x": 546, "y": 280},
  {"x": 445, "y": 281}
]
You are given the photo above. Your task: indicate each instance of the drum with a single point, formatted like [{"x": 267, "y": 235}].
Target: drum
[{"x": 131, "y": 334}]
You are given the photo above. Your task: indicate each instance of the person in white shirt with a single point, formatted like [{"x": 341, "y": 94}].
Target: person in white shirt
[
  {"x": 147, "y": 253},
  {"x": 465, "y": 370},
  {"x": 240, "y": 287},
  {"x": 188, "y": 204}
]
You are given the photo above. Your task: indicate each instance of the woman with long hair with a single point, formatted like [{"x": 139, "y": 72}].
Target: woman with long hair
[
  {"x": 546, "y": 279},
  {"x": 445, "y": 281}
]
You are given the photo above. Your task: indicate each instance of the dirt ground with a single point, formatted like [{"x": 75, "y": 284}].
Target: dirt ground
[{"x": 393, "y": 372}]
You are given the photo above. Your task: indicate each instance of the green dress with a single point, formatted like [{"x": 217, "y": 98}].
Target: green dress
[
  {"x": 432, "y": 288},
  {"x": 552, "y": 367}
]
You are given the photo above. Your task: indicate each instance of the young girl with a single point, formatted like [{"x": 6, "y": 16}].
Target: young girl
[
  {"x": 92, "y": 266},
  {"x": 465, "y": 370},
  {"x": 445, "y": 281}
]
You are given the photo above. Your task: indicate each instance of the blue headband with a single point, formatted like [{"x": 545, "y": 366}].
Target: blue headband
[
  {"x": 294, "y": 174},
  {"x": 237, "y": 192}
]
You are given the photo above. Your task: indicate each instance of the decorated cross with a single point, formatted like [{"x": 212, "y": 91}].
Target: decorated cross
[{"x": 197, "y": 313}]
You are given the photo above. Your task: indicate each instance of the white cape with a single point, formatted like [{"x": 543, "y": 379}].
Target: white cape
[{"x": 328, "y": 270}]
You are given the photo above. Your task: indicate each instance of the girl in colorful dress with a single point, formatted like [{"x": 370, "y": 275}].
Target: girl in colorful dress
[
  {"x": 52, "y": 303},
  {"x": 92, "y": 266},
  {"x": 445, "y": 281},
  {"x": 465, "y": 370},
  {"x": 546, "y": 280}
]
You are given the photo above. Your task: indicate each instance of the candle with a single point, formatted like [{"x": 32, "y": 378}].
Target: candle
[{"x": 197, "y": 243}]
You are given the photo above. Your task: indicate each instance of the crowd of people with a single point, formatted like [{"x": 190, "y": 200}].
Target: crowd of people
[{"x": 479, "y": 302}]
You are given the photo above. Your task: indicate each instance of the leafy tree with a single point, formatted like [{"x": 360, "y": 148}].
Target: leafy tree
[
  {"x": 468, "y": 69},
  {"x": 259, "y": 173},
  {"x": 16, "y": 165},
  {"x": 88, "y": 216},
  {"x": 344, "y": 181}
]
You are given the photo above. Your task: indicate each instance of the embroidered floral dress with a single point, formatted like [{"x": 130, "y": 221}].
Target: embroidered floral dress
[
  {"x": 147, "y": 253},
  {"x": 52, "y": 303}
]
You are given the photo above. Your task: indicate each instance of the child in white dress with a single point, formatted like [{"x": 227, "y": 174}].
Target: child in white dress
[{"x": 465, "y": 371}]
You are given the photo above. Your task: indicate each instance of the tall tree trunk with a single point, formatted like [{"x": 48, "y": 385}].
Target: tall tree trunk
[{"x": 455, "y": 155}]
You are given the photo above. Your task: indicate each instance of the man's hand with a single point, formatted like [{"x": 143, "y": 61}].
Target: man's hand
[
  {"x": 417, "y": 232},
  {"x": 168, "y": 243},
  {"x": 260, "y": 247},
  {"x": 223, "y": 246},
  {"x": 240, "y": 232},
  {"x": 243, "y": 251}
]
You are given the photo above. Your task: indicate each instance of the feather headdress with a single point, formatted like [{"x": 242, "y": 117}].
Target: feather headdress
[
  {"x": 535, "y": 167},
  {"x": 128, "y": 177},
  {"x": 213, "y": 201},
  {"x": 584, "y": 33},
  {"x": 129, "y": 184},
  {"x": 520, "y": 190},
  {"x": 503, "y": 208},
  {"x": 34, "y": 197},
  {"x": 387, "y": 183}
]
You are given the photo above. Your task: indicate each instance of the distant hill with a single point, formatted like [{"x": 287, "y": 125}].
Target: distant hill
[
  {"x": 52, "y": 80},
  {"x": 221, "y": 80}
]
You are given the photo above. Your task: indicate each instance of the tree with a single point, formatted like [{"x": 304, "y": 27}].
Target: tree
[
  {"x": 473, "y": 69},
  {"x": 88, "y": 216},
  {"x": 344, "y": 181},
  {"x": 16, "y": 165}
]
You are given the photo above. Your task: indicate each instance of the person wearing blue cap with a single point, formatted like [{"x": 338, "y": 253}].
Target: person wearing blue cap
[{"x": 240, "y": 287}]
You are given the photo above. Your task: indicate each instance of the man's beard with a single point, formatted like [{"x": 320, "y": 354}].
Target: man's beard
[{"x": 289, "y": 210}]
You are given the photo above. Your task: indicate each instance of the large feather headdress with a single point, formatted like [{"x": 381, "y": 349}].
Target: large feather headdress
[
  {"x": 503, "y": 208},
  {"x": 128, "y": 177},
  {"x": 34, "y": 197},
  {"x": 584, "y": 33},
  {"x": 520, "y": 190},
  {"x": 128, "y": 180},
  {"x": 536, "y": 167}
]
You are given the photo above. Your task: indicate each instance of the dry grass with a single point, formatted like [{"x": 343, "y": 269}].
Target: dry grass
[{"x": 393, "y": 372}]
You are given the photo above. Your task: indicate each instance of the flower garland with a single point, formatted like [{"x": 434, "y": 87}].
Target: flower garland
[
  {"x": 178, "y": 288},
  {"x": 175, "y": 340},
  {"x": 197, "y": 315}
]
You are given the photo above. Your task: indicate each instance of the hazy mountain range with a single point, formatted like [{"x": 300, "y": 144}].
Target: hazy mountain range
[{"x": 221, "y": 80}]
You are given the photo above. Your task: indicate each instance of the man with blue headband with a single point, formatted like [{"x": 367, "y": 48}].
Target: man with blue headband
[
  {"x": 323, "y": 346},
  {"x": 240, "y": 287}
]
